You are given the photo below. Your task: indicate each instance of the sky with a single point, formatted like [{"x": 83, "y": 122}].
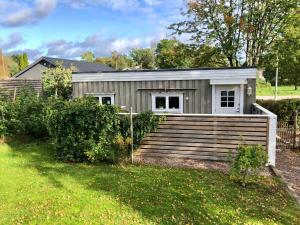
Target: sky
[{"x": 67, "y": 28}]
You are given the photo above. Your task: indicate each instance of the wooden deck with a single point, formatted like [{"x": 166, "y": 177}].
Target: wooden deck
[{"x": 204, "y": 137}]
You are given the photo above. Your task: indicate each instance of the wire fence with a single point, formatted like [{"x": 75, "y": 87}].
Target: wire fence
[{"x": 288, "y": 134}]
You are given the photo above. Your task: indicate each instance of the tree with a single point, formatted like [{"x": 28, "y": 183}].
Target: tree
[
  {"x": 13, "y": 67},
  {"x": 25, "y": 60},
  {"x": 285, "y": 52},
  {"x": 4, "y": 72},
  {"x": 57, "y": 81},
  {"x": 143, "y": 57},
  {"x": 172, "y": 54},
  {"x": 242, "y": 29},
  {"x": 207, "y": 56},
  {"x": 21, "y": 60},
  {"x": 117, "y": 61},
  {"x": 88, "y": 56}
]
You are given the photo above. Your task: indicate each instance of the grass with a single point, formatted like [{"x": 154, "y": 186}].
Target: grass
[
  {"x": 282, "y": 91},
  {"x": 36, "y": 189}
]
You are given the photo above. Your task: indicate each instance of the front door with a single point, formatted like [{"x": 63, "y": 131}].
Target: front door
[{"x": 227, "y": 99}]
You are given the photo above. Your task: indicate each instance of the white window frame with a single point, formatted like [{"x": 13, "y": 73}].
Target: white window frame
[
  {"x": 167, "y": 95},
  {"x": 100, "y": 96}
]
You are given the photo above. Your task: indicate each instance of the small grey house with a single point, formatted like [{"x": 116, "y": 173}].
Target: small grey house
[
  {"x": 210, "y": 112},
  {"x": 188, "y": 91},
  {"x": 34, "y": 71}
]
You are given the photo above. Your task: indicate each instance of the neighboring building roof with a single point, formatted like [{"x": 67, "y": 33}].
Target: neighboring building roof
[
  {"x": 82, "y": 66},
  {"x": 169, "y": 74}
]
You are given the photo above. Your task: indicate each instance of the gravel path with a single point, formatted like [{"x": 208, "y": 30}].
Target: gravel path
[{"x": 288, "y": 166}]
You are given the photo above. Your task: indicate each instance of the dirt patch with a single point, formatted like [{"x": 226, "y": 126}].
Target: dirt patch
[
  {"x": 192, "y": 164},
  {"x": 288, "y": 167}
]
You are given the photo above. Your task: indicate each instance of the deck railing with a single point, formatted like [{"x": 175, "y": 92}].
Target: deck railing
[{"x": 272, "y": 131}]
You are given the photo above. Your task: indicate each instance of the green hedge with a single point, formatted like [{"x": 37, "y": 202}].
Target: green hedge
[
  {"x": 24, "y": 116},
  {"x": 82, "y": 129},
  {"x": 282, "y": 108},
  {"x": 86, "y": 131}
]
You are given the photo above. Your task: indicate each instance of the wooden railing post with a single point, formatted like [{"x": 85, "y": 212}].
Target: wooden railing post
[
  {"x": 295, "y": 129},
  {"x": 15, "y": 94}
]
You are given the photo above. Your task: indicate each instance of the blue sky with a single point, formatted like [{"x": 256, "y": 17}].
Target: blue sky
[{"x": 67, "y": 28}]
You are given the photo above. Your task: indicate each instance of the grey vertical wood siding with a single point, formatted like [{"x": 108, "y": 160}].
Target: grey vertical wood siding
[{"x": 197, "y": 94}]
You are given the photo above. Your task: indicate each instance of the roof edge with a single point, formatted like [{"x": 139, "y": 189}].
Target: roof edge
[{"x": 170, "y": 70}]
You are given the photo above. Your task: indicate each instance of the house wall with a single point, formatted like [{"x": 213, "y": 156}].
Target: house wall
[
  {"x": 138, "y": 93},
  {"x": 34, "y": 73},
  {"x": 249, "y": 100}
]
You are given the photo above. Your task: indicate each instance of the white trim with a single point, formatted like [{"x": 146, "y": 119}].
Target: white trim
[
  {"x": 214, "y": 74},
  {"x": 213, "y": 100},
  {"x": 242, "y": 94},
  {"x": 167, "y": 95},
  {"x": 228, "y": 81},
  {"x": 272, "y": 132}
]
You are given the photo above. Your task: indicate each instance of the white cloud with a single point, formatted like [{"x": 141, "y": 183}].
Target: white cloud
[
  {"x": 12, "y": 41},
  {"x": 100, "y": 44},
  {"x": 123, "y": 5},
  {"x": 24, "y": 13}
]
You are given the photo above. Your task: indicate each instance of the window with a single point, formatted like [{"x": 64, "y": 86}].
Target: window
[
  {"x": 105, "y": 99},
  {"x": 227, "y": 99},
  {"x": 160, "y": 102},
  {"x": 174, "y": 102},
  {"x": 167, "y": 102}
]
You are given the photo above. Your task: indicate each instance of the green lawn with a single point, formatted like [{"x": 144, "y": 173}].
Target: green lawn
[
  {"x": 35, "y": 189},
  {"x": 282, "y": 91}
]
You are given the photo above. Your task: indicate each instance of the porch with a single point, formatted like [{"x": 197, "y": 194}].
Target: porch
[{"x": 211, "y": 136}]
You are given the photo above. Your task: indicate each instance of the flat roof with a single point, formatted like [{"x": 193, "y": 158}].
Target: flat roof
[
  {"x": 168, "y": 74},
  {"x": 172, "y": 69}
]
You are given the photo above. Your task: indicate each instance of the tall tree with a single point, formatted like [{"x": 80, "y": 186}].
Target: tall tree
[
  {"x": 21, "y": 60},
  {"x": 88, "y": 56},
  {"x": 243, "y": 29},
  {"x": 286, "y": 54},
  {"x": 117, "y": 61},
  {"x": 4, "y": 73},
  {"x": 13, "y": 67},
  {"x": 25, "y": 60},
  {"x": 143, "y": 57},
  {"x": 172, "y": 54}
]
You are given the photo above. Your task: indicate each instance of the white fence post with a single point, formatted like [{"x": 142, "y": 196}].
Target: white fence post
[
  {"x": 272, "y": 140},
  {"x": 272, "y": 132}
]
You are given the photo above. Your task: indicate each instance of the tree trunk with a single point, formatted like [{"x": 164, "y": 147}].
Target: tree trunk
[{"x": 56, "y": 92}]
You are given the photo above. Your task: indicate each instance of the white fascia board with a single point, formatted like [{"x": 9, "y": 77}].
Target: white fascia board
[
  {"x": 246, "y": 73},
  {"x": 228, "y": 81}
]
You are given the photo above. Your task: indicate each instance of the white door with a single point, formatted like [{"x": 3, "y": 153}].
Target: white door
[{"x": 227, "y": 99}]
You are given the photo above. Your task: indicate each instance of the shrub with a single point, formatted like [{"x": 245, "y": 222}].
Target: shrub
[
  {"x": 250, "y": 159},
  {"x": 25, "y": 116},
  {"x": 83, "y": 130},
  {"x": 282, "y": 108},
  {"x": 143, "y": 123}
]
